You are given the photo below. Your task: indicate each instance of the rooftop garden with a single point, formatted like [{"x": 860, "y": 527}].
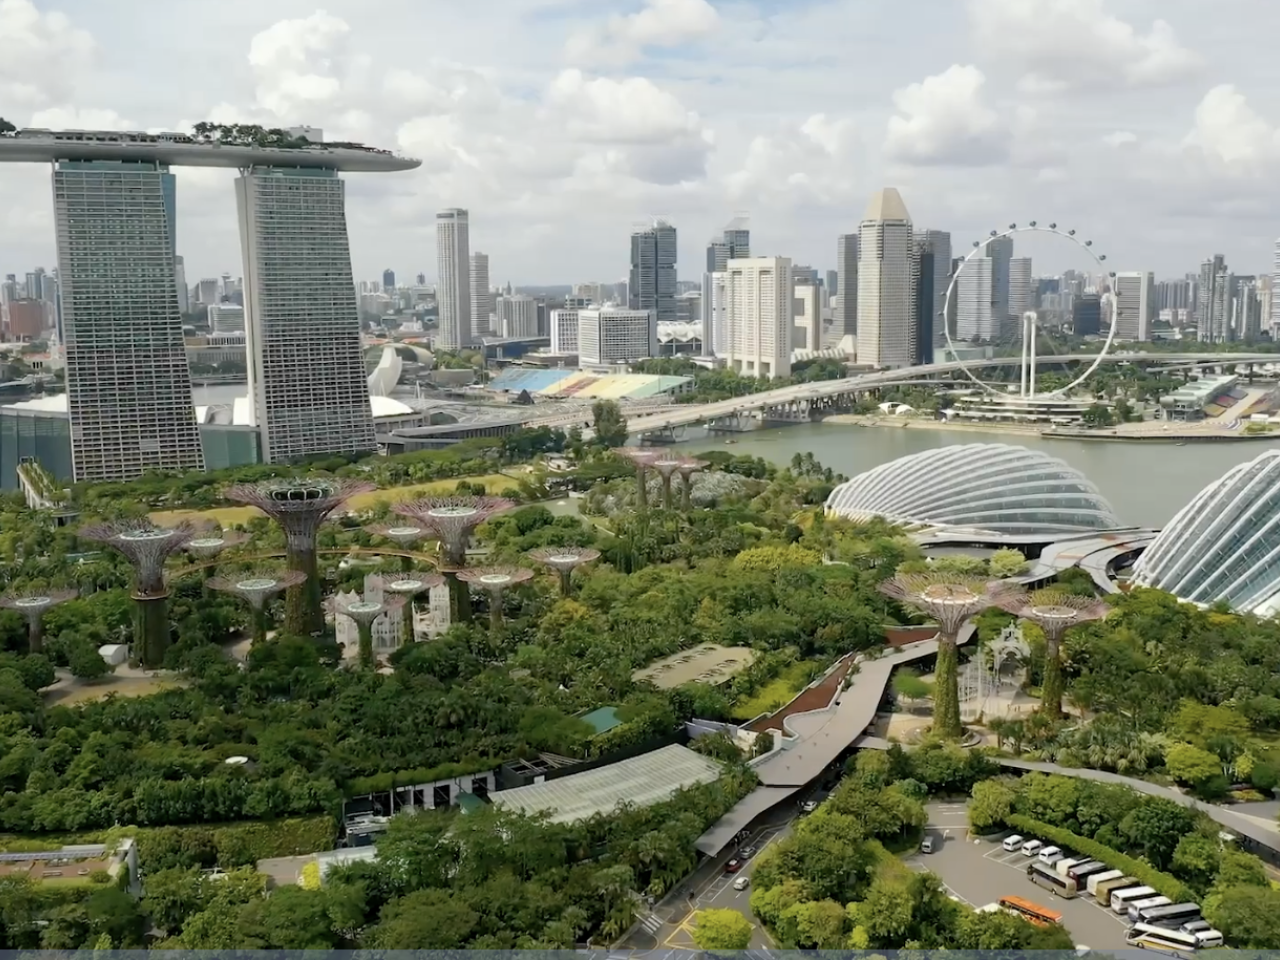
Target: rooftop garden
[{"x": 254, "y": 135}]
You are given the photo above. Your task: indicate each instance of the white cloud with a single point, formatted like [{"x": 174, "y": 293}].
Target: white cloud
[
  {"x": 943, "y": 121},
  {"x": 661, "y": 24},
  {"x": 296, "y": 63},
  {"x": 1062, "y": 45},
  {"x": 1227, "y": 130},
  {"x": 809, "y": 163},
  {"x": 42, "y": 55}
]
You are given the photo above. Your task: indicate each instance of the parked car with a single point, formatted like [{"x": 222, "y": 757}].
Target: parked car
[
  {"x": 746, "y": 853},
  {"x": 1014, "y": 843},
  {"x": 809, "y": 806},
  {"x": 733, "y": 866},
  {"x": 926, "y": 845},
  {"x": 1031, "y": 848},
  {"x": 742, "y": 883}
]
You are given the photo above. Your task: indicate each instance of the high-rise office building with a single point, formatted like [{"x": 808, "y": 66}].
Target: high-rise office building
[
  {"x": 207, "y": 291},
  {"x": 1246, "y": 309},
  {"x": 734, "y": 243},
  {"x": 483, "y": 306},
  {"x": 1213, "y": 301},
  {"x": 807, "y": 320},
  {"x": 715, "y": 329},
  {"x": 453, "y": 279},
  {"x": 517, "y": 316},
  {"x": 564, "y": 332},
  {"x": 26, "y": 319},
  {"x": 886, "y": 300},
  {"x": 226, "y": 318},
  {"x": 128, "y": 383},
  {"x": 420, "y": 279},
  {"x": 833, "y": 283},
  {"x": 307, "y": 384},
  {"x": 615, "y": 335},
  {"x": 846, "y": 313},
  {"x": 1135, "y": 298},
  {"x": 9, "y": 291},
  {"x": 388, "y": 281},
  {"x": 1086, "y": 315},
  {"x": 180, "y": 280},
  {"x": 931, "y": 273},
  {"x": 759, "y": 316},
  {"x": 652, "y": 284},
  {"x": 1021, "y": 294},
  {"x": 982, "y": 294},
  {"x": 1274, "y": 320}
]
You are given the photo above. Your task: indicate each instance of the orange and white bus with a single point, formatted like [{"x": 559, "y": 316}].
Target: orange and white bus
[{"x": 1041, "y": 916}]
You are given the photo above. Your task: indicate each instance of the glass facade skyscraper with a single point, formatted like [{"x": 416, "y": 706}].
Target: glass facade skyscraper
[
  {"x": 128, "y": 383},
  {"x": 307, "y": 382}
]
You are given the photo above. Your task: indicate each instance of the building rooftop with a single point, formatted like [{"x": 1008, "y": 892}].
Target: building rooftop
[
  {"x": 184, "y": 150},
  {"x": 886, "y": 204},
  {"x": 644, "y": 780}
]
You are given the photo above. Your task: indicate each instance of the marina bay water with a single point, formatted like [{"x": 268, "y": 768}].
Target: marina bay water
[{"x": 1147, "y": 483}]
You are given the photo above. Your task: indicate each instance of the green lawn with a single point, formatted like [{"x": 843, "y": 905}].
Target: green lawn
[{"x": 777, "y": 693}]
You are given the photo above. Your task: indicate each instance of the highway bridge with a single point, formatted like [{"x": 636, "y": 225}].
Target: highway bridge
[{"x": 690, "y": 414}]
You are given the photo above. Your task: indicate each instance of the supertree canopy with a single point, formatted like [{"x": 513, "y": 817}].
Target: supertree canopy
[
  {"x": 564, "y": 560},
  {"x": 300, "y": 505},
  {"x": 408, "y": 586},
  {"x": 497, "y": 580},
  {"x": 667, "y": 464},
  {"x": 403, "y": 535},
  {"x": 642, "y": 457},
  {"x": 146, "y": 547},
  {"x": 1054, "y": 612},
  {"x": 364, "y": 613},
  {"x": 688, "y": 467},
  {"x": 210, "y": 543},
  {"x": 452, "y": 520},
  {"x": 257, "y": 589},
  {"x": 32, "y": 606},
  {"x": 950, "y": 600}
]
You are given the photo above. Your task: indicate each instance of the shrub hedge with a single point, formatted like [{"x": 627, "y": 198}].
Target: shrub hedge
[{"x": 1162, "y": 883}]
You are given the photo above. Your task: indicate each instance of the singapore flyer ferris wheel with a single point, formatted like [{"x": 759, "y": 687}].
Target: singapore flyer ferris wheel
[{"x": 1027, "y": 324}]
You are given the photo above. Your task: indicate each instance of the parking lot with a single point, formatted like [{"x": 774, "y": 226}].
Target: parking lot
[{"x": 981, "y": 872}]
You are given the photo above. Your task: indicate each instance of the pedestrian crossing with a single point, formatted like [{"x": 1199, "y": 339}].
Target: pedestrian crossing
[{"x": 651, "y": 923}]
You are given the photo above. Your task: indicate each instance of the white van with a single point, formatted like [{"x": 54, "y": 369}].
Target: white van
[
  {"x": 1011, "y": 844},
  {"x": 1208, "y": 939},
  {"x": 1031, "y": 848},
  {"x": 1050, "y": 855}
]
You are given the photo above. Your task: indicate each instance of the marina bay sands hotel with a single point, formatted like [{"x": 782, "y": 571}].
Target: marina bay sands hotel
[{"x": 128, "y": 384}]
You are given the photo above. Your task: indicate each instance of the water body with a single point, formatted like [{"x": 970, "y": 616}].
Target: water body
[{"x": 1147, "y": 483}]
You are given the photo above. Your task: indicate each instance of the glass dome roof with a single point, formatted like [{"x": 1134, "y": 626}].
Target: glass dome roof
[
  {"x": 1224, "y": 544},
  {"x": 988, "y": 486}
]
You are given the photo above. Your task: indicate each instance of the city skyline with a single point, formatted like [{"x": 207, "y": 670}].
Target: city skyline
[{"x": 616, "y": 120}]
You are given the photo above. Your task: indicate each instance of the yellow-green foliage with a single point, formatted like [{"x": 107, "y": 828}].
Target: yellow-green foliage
[{"x": 771, "y": 559}]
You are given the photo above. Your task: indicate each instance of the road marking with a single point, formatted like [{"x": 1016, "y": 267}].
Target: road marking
[{"x": 651, "y": 923}]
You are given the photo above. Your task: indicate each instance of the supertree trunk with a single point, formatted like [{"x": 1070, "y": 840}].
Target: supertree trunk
[
  {"x": 686, "y": 493},
  {"x": 152, "y": 630},
  {"x": 303, "y": 610},
  {"x": 566, "y": 582},
  {"x": 642, "y": 488},
  {"x": 495, "y": 611},
  {"x": 946, "y": 690},
  {"x": 407, "y": 613},
  {"x": 260, "y": 625},
  {"x": 459, "y": 598},
  {"x": 35, "y": 635},
  {"x": 666, "y": 491},
  {"x": 1055, "y": 683},
  {"x": 365, "y": 631}
]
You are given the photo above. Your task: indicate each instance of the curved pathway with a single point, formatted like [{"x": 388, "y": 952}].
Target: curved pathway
[{"x": 427, "y": 558}]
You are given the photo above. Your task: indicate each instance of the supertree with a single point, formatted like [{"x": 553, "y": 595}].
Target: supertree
[
  {"x": 364, "y": 613},
  {"x": 257, "y": 589},
  {"x": 452, "y": 520},
  {"x": 403, "y": 535},
  {"x": 642, "y": 457},
  {"x": 496, "y": 580},
  {"x": 1055, "y": 613},
  {"x": 950, "y": 600},
  {"x": 300, "y": 505},
  {"x": 409, "y": 586},
  {"x": 32, "y": 606},
  {"x": 209, "y": 544},
  {"x": 146, "y": 547},
  {"x": 688, "y": 467},
  {"x": 666, "y": 463},
  {"x": 563, "y": 560}
]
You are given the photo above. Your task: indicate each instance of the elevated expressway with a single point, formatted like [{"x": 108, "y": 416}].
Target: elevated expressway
[{"x": 691, "y": 414}]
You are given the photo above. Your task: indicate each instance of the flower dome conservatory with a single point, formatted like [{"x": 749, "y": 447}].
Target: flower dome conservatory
[
  {"x": 986, "y": 486},
  {"x": 1225, "y": 544}
]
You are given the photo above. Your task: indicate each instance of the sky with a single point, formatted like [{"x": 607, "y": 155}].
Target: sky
[{"x": 1153, "y": 126}]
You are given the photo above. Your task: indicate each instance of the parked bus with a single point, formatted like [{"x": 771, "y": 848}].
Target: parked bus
[
  {"x": 1169, "y": 915},
  {"x": 1105, "y": 876},
  {"x": 1136, "y": 908},
  {"x": 1064, "y": 866},
  {"x": 1082, "y": 871},
  {"x": 1043, "y": 875},
  {"x": 1150, "y": 937},
  {"x": 1041, "y": 916},
  {"x": 1120, "y": 899},
  {"x": 1102, "y": 892}
]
